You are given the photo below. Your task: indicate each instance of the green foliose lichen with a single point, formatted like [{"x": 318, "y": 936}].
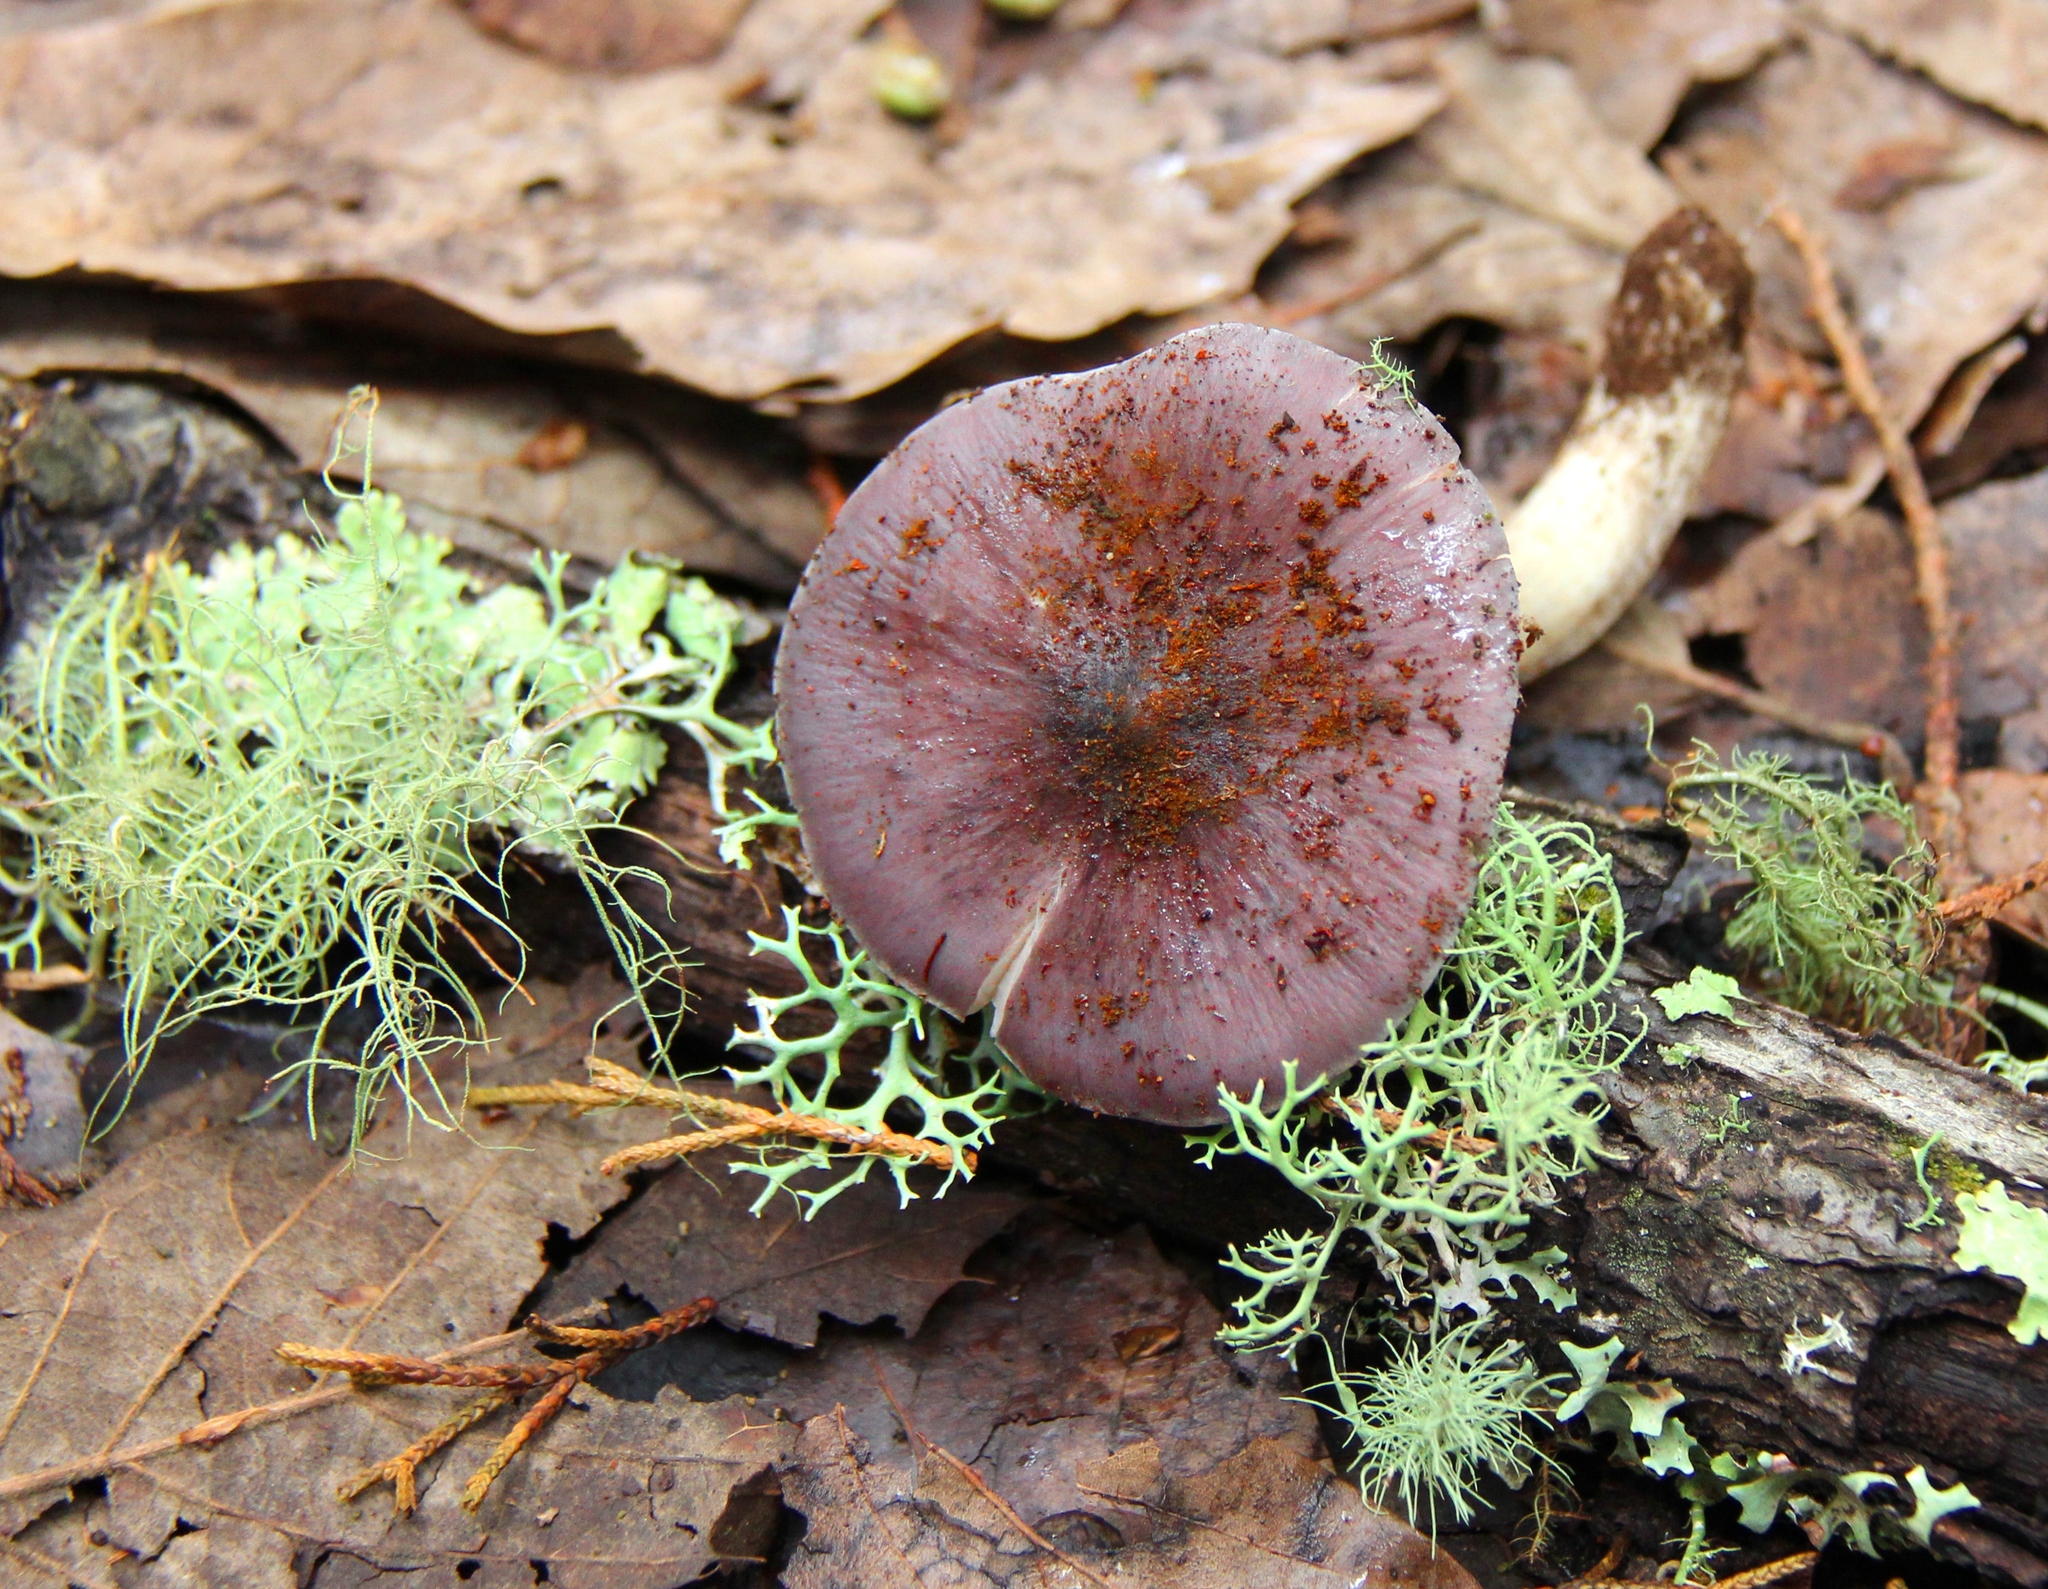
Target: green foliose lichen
[{"x": 2007, "y": 1237}]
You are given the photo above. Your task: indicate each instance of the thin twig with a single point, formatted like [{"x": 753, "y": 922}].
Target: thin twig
[
  {"x": 1393, "y": 1120},
  {"x": 19, "y": 1186},
  {"x": 505, "y": 1382},
  {"x": 823, "y": 480},
  {"x": 531, "y": 1422},
  {"x": 613, "y": 1086},
  {"x": 1879, "y": 744},
  {"x": 402, "y": 1471},
  {"x": 42, "y": 979},
  {"x": 1755, "y": 1578},
  {"x": 211, "y": 1431},
  {"x": 1988, "y": 899},
  {"x": 452, "y": 919},
  {"x": 1939, "y": 794},
  {"x": 1601, "y": 1570}
]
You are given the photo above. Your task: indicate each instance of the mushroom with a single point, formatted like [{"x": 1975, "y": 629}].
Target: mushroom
[
  {"x": 1162, "y": 708},
  {"x": 1587, "y": 538}
]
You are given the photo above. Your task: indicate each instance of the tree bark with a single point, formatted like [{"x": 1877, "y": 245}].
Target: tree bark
[{"x": 1767, "y": 1184}]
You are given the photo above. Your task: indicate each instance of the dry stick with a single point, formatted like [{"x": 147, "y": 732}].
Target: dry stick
[
  {"x": 43, "y": 979},
  {"x": 1988, "y": 899},
  {"x": 211, "y": 1431},
  {"x": 1394, "y": 1120},
  {"x": 1602, "y": 1569},
  {"x": 1755, "y": 1578},
  {"x": 531, "y": 1422},
  {"x": 613, "y": 1086},
  {"x": 373, "y": 1370},
  {"x": 1877, "y": 743},
  {"x": 1938, "y": 793},
  {"x": 17, "y": 1185},
  {"x": 403, "y": 1470}
]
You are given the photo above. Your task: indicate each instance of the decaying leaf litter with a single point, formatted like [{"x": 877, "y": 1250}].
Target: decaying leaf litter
[{"x": 1177, "y": 165}]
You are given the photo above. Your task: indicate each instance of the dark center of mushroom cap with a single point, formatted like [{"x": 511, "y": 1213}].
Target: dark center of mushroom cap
[{"x": 1164, "y": 707}]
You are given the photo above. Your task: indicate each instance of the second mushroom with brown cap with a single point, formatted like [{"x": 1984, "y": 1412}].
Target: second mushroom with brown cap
[{"x": 1161, "y": 708}]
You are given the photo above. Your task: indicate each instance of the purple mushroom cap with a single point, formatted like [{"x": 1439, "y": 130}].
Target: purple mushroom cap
[{"x": 1162, "y": 708}]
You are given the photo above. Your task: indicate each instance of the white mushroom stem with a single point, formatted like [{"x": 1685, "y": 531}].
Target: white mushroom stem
[{"x": 1587, "y": 539}]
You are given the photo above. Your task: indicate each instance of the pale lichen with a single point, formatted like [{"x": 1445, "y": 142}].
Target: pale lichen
[{"x": 286, "y": 779}]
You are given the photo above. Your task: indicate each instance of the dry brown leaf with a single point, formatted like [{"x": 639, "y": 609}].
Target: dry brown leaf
[
  {"x": 613, "y": 35},
  {"x": 1636, "y": 60},
  {"x": 660, "y": 470},
  {"x": 861, "y": 1258},
  {"x": 1999, "y": 558},
  {"x": 154, "y": 1300},
  {"x": 735, "y": 246},
  {"x": 1179, "y": 1468},
  {"x": 1943, "y": 270},
  {"x": 1992, "y": 51},
  {"x": 2008, "y": 432},
  {"x": 1515, "y": 207},
  {"x": 1599, "y": 692},
  {"x": 1520, "y": 129},
  {"x": 2006, "y": 815},
  {"x": 1832, "y": 625},
  {"x": 1290, "y": 27}
]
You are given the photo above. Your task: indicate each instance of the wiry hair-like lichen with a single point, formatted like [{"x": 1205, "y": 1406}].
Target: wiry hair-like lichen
[
  {"x": 1823, "y": 928},
  {"x": 1426, "y": 1421},
  {"x": 273, "y": 781},
  {"x": 1468, "y": 1114}
]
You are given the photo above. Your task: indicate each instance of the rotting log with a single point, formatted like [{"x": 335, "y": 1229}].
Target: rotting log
[{"x": 1766, "y": 1182}]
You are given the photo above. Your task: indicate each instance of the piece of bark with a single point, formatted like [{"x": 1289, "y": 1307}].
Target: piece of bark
[{"x": 1765, "y": 1182}]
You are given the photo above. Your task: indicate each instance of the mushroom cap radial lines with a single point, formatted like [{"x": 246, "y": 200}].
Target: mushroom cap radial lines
[{"x": 1163, "y": 708}]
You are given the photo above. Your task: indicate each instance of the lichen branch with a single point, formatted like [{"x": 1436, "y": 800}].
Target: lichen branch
[{"x": 504, "y": 1384}]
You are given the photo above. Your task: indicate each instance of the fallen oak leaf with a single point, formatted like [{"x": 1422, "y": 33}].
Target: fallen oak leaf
[
  {"x": 1072, "y": 201},
  {"x": 1025, "y": 1374},
  {"x": 860, "y": 1258}
]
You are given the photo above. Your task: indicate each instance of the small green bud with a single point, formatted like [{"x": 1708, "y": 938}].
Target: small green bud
[
  {"x": 1023, "y": 10},
  {"x": 910, "y": 83}
]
